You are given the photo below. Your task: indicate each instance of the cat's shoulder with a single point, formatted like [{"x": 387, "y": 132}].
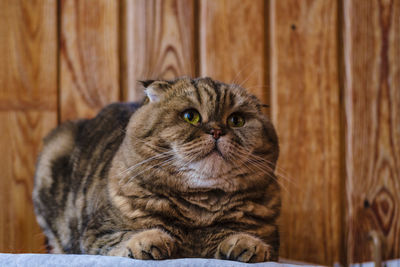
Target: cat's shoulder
[
  {"x": 63, "y": 137},
  {"x": 112, "y": 113},
  {"x": 118, "y": 110},
  {"x": 112, "y": 118}
]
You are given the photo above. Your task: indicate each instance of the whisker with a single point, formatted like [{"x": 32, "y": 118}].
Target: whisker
[
  {"x": 234, "y": 81},
  {"x": 248, "y": 77},
  {"x": 267, "y": 172},
  {"x": 146, "y": 143},
  {"x": 158, "y": 156},
  {"x": 250, "y": 154},
  {"x": 164, "y": 163},
  {"x": 262, "y": 163}
]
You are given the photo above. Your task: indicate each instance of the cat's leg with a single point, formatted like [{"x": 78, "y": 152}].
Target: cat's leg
[
  {"x": 151, "y": 244},
  {"x": 245, "y": 248}
]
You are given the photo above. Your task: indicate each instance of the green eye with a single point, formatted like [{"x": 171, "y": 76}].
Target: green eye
[
  {"x": 235, "y": 120},
  {"x": 192, "y": 116}
]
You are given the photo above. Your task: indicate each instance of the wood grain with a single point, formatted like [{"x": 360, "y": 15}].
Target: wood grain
[
  {"x": 20, "y": 135},
  {"x": 158, "y": 42},
  {"x": 232, "y": 43},
  {"x": 89, "y": 59},
  {"x": 27, "y": 47},
  {"x": 305, "y": 110},
  {"x": 286, "y": 48},
  {"x": 28, "y": 110},
  {"x": 372, "y": 98}
]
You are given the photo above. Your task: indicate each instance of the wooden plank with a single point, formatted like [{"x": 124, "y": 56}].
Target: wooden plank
[
  {"x": 89, "y": 63},
  {"x": 158, "y": 42},
  {"x": 27, "y": 31},
  {"x": 232, "y": 43},
  {"x": 28, "y": 110},
  {"x": 305, "y": 110},
  {"x": 372, "y": 99},
  {"x": 20, "y": 135}
]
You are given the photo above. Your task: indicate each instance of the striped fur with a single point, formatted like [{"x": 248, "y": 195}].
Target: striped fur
[{"x": 139, "y": 181}]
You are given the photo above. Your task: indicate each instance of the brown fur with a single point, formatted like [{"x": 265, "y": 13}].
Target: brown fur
[{"x": 142, "y": 182}]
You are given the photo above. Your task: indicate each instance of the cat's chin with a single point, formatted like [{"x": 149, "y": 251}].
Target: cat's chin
[{"x": 211, "y": 166}]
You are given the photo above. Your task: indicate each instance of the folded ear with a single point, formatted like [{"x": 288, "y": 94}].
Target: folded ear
[{"x": 155, "y": 90}]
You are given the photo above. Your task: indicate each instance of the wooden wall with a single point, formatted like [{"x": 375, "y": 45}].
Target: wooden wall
[
  {"x": 28, "y": 110},
  {"x": 371, "y": 32},
  {"x": 329, "y": 69},
  {"x": 305, "y": 109}
]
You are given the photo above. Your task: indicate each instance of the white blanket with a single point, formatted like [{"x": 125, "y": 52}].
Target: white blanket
[{"x": 61, "y": 260}]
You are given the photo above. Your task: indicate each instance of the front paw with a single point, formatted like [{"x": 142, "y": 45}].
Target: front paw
[
  {"x": 153, "y": 244},
  {"x": 245, "y": 248}
]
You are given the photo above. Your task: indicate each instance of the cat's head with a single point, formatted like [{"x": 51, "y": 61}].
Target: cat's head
[{"x": 201, "y": 133}]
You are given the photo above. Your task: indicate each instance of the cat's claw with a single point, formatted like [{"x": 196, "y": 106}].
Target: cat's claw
[
  {"x": 152, "y": 244},
  {"x": 245, "y": 248}
]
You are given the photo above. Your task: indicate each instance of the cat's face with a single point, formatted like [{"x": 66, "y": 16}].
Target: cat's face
[{"x": 204, "y": 134}]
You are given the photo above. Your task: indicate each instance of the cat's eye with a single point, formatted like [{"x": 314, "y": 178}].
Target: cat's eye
[
  {"x": 192, "y": 116},
  {"x": 235, "y": 120}
]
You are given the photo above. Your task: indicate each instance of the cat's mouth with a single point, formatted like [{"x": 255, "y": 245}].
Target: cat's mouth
[
  {"x": 215, "y": 152},
  {"x": 212, "y": 162}
]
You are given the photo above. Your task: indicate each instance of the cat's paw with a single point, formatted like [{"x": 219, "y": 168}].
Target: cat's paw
[
  {"x": 153, "y": 244},
  {"x": 245, "y": 248}
]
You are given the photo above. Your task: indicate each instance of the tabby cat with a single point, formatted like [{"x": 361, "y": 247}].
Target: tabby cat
[{"x": 189, "y": 173}]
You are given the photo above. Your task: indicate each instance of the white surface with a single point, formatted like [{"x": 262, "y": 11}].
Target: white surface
[{"x": 44, "y": 260}]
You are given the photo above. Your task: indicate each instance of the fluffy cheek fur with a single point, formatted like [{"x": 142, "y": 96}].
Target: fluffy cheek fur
[
  {"x": 207, "y": 162},
  {"x": 200, "y": 156}
]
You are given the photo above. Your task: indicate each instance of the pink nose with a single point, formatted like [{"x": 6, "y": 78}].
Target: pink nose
[{"x": 216, "y": 133}]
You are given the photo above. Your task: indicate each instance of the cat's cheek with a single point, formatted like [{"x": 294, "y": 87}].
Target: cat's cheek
[{"x": 171, "y": 133}]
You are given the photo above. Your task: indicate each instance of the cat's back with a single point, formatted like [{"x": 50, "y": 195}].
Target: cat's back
[
  {"x": 81, "y": 138},
  {"x": 74, "y": 158}
]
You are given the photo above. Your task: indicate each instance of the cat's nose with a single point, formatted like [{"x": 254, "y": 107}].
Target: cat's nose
[{"x": 216, "y": 133}]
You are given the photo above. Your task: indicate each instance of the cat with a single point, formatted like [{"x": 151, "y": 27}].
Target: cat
[{"x": 188, "y": 173}]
